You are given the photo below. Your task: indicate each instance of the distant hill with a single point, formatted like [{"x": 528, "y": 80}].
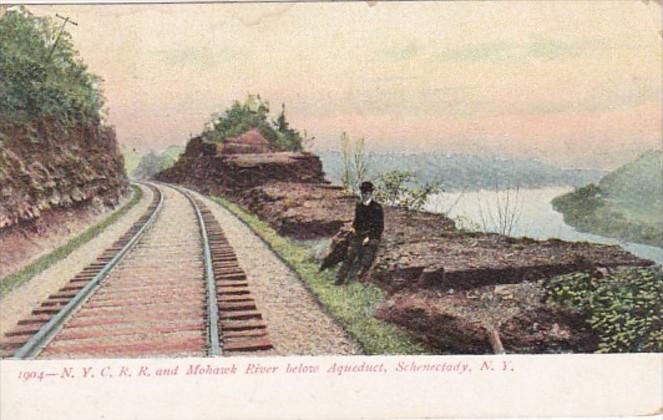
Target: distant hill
[
  {"x": 170, "y": 155},
  {"x": 144, "y": 165},
  {"x": 639, "y": 182},
  {"x": 152, "y": 163},
  {"x": 131, "y": 159},
  {"x": 627, "y": 203},
  {"x": 459, "y": 171}
]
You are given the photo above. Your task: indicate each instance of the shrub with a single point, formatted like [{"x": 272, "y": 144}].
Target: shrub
[
  {"x": 624, "y": 309},
  {"x": 392, "y": 189},
  {"x": 253, "y": 113},
  {"x": 150, "y": 164},
  {"x": 581, "y": 203},
  {"x": 39, "y": 78},
  {"x": 502, "y": 215}
]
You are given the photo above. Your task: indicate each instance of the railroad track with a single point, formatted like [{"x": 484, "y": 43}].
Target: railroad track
[{"x": 170, "y": 286}]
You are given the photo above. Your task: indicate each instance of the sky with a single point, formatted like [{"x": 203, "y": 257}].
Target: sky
[{"x": 572, "y": 83}]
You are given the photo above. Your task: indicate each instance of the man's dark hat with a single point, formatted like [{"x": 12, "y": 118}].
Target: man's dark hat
[{"x": 366, "y": 186}]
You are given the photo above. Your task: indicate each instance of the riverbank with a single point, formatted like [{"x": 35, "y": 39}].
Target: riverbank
[
  {"x": 626, "y": 203},
  {"x": 536, "y": 217},
  {"x": 611, "y": 219}
]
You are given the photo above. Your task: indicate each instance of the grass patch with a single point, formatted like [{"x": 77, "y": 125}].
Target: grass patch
[
  {"x": 351, "y": 305},
  {"x": 42, "y": 263}
]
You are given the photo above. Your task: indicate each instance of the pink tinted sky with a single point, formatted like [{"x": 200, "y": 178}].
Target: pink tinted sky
[{"x": 576, "y": 84}]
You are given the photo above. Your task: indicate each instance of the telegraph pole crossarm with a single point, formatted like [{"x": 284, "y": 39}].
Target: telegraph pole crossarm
[{"x": 57, "y": 39}]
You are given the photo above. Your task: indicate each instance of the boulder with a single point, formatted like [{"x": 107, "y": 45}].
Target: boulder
[{"x": 250, "y": 142}]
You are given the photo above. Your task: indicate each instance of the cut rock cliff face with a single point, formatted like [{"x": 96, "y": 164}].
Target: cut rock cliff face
[
  {"x": 44, "y": 168},
  {"x": 205, "y": 166},
  {"x": 431, "y": 271}
]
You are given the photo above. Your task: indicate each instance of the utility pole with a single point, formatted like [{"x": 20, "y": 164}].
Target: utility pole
[{"x": 57, "y": 39}]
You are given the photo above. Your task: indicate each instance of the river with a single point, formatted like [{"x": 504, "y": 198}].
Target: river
[{"x": 531, "y": 213}]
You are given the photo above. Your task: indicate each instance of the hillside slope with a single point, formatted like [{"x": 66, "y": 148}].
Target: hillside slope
[
  {"x": 425, "y": 264},
  {"x": 627, "y": 203},
  {"x": 638, "y": 187},
  {"x": 152, "y": 163}
]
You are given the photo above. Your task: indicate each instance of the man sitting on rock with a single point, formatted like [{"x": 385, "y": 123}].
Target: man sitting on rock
[{"x": 367, "y": 230}]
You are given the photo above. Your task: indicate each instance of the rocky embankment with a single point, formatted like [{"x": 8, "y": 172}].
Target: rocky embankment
[
  {"x": 204, "y": 165},
  {"x": 47, "y": 168},
  {"x": 463, "y": 292},
  {"x": 46, "y": 171}
]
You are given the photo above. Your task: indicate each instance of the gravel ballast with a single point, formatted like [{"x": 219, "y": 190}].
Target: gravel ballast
[{"x": 296, "y": 323}]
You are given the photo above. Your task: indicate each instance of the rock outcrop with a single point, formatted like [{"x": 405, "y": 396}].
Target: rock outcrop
[
  {"x": 449, "y": 259},
  {"x": 250, "y": 142},
  {"x": 300, "y": 210},
  {"x": 462, "y": 321},
  {"x": 208, "y": 169},
  {"x": 44, "y": 168}
]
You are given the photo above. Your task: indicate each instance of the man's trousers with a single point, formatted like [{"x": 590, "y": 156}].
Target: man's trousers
[{"x": 358, "y": 253}]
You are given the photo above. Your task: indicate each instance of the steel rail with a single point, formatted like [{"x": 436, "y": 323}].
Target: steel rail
[
  {"x": 37, "y": 342},
  {"x": 214, "y": 345}
]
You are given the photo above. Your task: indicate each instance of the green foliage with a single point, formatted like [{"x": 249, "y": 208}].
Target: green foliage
[
  {"x": 639, "y": 181},
  {"x": 352, "y": 305},
  {"x": 253, "y": 113},
  {"x": 624, "y": 309},
  {"x": 393, "y": 188},
  {"x": 627, "y": 203},
  {"x": 171, "y": 155},
  {"x": 152, "y": 163},
  {"x": 287, "y": 138},
  {"x": 580, "y": 203},
  {"x": 42, "y": 263},
  {"x": 39, "y": 78},
  {"x": 587, "y": 209},
  {"x": 131, "y": 159}
]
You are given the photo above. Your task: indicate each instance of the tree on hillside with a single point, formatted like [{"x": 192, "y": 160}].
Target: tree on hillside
[
  {"x": 581, "y": 202},
  {"x": 253, "y": 113},
  {"x": 149, "y": 165},
  {"x": 40, "y": 78},
  {"x": 152, "y": 163},
  {"x": 287, "y": 138}
]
